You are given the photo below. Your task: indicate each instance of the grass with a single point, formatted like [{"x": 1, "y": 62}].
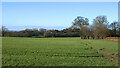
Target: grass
[
  {"x": 107, "y": 46},
  {"x": 18, "y": 51}
]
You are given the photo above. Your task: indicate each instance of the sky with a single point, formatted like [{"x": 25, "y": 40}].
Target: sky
[{"x": 54, "y": 15}]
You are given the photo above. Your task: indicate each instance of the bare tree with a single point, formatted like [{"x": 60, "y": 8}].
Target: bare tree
[{"x": 100, "y": 26}]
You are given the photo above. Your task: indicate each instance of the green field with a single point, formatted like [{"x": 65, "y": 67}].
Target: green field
[{"x": 18, "y": 51}]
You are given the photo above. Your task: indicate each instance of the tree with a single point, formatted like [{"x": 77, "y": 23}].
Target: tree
[
  {"x": 35, "y": 32},
  {"x": 82, "y": 24},
  {"x": 100, "y": 27},
  {"x": 1, "y": 32},
  {"x": 50, "y": 33},
  {"x": 85, "y": 32},
  {"x": 42, "y": 31},
  {"x": 70, "y": 32},
  {"x": 4, "y": 30},
  {"x": 118, "y": 28},
  {"x": 114, "y": 27},
  {"x": 28, "y": 32},
  {"x": 79, "y": 22}
]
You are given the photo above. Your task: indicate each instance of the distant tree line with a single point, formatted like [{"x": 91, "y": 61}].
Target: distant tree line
[
  {"x": 41, "y": 33},
  {"x": 99, "y": 29}
]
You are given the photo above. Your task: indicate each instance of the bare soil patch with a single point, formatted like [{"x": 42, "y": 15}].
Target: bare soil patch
[{"x": 113, "y": 38}]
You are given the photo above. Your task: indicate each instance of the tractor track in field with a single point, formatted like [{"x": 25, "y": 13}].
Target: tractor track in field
[
  {"x": 69, "y": 56},
  {"x": 111, "y": 50},
  {"x": 109, "y": 57}
]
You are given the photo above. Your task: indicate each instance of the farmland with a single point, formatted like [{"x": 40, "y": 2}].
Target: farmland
[{"x": 17, "y": 51}]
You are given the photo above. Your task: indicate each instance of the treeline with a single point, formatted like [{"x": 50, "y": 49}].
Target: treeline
[
  {"x": 41, "y": 33},
  {"x": 99, "y": 29}
]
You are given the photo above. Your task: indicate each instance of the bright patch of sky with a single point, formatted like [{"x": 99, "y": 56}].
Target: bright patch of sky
[{"x": 54, "y": 15}]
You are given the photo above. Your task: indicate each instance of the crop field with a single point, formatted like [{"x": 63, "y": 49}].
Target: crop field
[{"x": 18, "y": 51}]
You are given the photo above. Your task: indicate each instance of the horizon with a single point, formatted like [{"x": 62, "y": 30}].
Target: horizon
[{"x": 17, "y": 16}]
